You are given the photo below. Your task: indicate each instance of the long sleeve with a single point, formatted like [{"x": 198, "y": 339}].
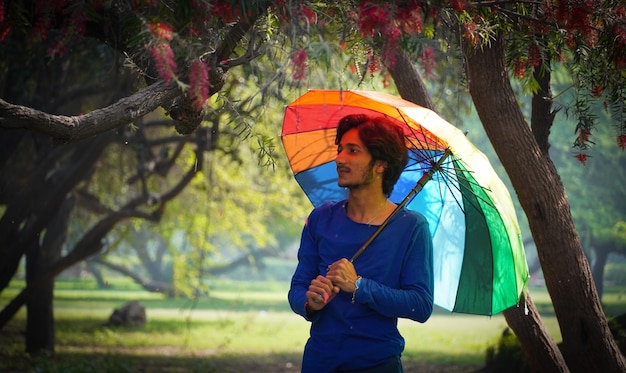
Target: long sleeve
[
  {"x": 307, "y": 269},
  {"x": 414, "y": 297}
]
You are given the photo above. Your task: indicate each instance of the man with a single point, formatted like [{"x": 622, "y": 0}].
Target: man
[{"x": 354, "y": 307}]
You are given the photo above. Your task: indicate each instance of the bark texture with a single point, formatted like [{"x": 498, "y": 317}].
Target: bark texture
[
  {"x": 541, "y": 351},
  {"x": 588, "y": 345}
]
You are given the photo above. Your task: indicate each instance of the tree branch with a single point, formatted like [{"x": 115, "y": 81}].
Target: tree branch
[
  {"x": 149, "y": 285},
  {"x": 73, "y": 128}
]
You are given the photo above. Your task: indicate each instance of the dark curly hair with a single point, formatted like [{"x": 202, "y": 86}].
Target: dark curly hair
[{"x": 383, "y": 139}]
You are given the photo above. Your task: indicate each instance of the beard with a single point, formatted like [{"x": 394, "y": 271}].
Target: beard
[{"x": 355, "y": 181}]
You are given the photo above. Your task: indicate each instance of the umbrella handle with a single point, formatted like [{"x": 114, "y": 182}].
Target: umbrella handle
[{"x": 418, "y": 186}]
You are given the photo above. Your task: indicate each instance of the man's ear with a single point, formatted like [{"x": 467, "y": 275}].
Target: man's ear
[{"x": 380, "y": 167}]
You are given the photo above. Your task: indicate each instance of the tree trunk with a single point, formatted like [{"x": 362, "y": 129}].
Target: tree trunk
[
  {"x": 40, "y": 310},
  {"x": 602, "y": 254},
  {"x": 408, "y": 81},
  {"x": 541, "y": 351},
  {"x": 588, "y": 345}
]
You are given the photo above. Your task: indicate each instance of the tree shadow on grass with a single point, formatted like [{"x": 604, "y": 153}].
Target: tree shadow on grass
[
  {"x": 76, "y": 358},
  {"x": 175, "y": 361}
]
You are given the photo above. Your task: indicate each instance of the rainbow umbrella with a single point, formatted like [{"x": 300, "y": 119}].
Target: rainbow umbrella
[{"x": 479, "y": 261}]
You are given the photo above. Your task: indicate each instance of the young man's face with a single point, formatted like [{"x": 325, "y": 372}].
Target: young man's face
[{"x": 354, "y": 162}]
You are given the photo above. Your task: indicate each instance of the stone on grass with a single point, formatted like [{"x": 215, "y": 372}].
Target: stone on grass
[{"x": 130, "y": 314}]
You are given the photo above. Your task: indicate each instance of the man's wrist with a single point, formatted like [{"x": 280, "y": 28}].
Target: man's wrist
[
  {"x": 308, "y": 308},
  {"x": 357, "y": 284}
]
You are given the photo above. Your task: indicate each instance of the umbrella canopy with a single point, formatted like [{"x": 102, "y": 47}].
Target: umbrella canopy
[{"x": 478, "y": 257}]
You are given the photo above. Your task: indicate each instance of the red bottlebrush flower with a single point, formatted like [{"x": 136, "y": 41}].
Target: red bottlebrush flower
[
  {"x": 469, "y": 33},
  {"x": 43, "y": 19},
  {"x": 2, "y": 10},
  {"x": 298, "y": 60},
  {"x": 72, "y": 31},
  {"x": 163, "y": 57},
  {"x": 392, "y": 33},
  {"x": 458, "y": 5},
  {"x": 161, "y": 31},
  {"x": 353, "y": 68},
  {"x": 225, "y": 11},
  {"x": 373, "y": 65},
  {"x": 5, "y": 29},
  {"x": 596, "y": 90},
  {"x": 199, "y": 83},
  {"x": 411, "y": 19},
  {"x": 386, "y": 80},
  {"x": 583, "y": 136},
  {"x": 581, "y": 157},
  {"x": 428, "y": 61},
  {"x": 519, "y": 68},
  {"x": 534, "y": 56},
  {"x": 309, "y": 15},
  {"x": 621, "y": 141},
  {"x": 373, "y": 18}
]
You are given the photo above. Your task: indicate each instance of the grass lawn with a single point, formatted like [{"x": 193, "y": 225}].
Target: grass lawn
[{"x": 240, "y": 327}]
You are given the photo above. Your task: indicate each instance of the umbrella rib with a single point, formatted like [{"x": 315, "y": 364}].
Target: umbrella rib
[
  {"x": 446, "y": 173},
  {"x": 418, "y": 186}
]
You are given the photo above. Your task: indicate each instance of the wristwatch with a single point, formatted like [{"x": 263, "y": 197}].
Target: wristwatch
[{"x": 357, "y": 284}]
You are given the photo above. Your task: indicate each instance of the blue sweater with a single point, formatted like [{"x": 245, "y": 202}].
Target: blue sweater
[{"x": 397, "y": 282}]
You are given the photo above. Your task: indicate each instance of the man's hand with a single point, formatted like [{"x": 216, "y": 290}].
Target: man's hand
[
  {"x": 343, "y": 275},
  {"x": 321, "y": 291}
]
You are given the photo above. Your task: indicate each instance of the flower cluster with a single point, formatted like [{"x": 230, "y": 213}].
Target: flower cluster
[
  {"x": 377, "y": 20},
  {"x": 534, "y": 55},
  {"x": 163, "y": 57},
  {"x": 5, "y": 27},
  {"x": 225, "y": 11},
  {"x": 427, "y": 58},
  {"x": 576, "y": 16},
  {"x": 387, "y": 21},
  {"x": 458, "y": 5},
  {"x": 581, "y": 157},
  {"x": 72, "y": 31},
  {"x": 470, "y": 33},
  {"x": 44, "y": 11},
  {"x": 161, "y": 50},
  {"x": 519, "y": 68},
  {"x": 161, "y": 31},
  {"x": 621, "y": 141},
  {"x": 298, "y": 61},
  {"x": 199, "y": 83},
  {"x": 198, "y": 17}
]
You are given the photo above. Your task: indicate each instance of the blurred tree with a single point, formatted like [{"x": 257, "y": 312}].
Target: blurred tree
[
  {"x": 46, "y": 175},
  {"x": 597, "y": 193}
]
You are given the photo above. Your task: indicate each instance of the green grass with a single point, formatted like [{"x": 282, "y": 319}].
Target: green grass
[{"x": 239, "y": 323}]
